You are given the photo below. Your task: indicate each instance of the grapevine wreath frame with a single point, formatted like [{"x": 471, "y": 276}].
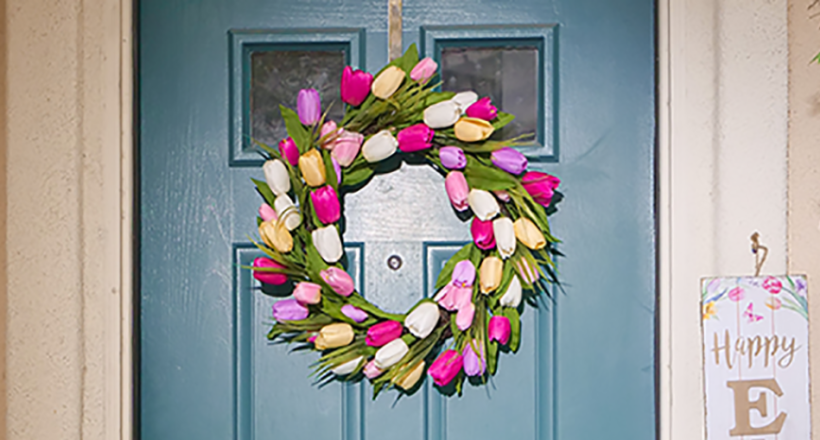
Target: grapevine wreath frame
[{"x": 476, "y": 310}]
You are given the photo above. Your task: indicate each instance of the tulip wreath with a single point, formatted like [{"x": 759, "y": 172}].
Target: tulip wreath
[{"x": 476, "y": 310}]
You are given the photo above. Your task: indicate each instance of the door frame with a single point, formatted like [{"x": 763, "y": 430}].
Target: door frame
[{"x": 679, "y": 113}]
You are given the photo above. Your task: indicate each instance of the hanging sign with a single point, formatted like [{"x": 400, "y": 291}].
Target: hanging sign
[{"x": 756, "y": 358}]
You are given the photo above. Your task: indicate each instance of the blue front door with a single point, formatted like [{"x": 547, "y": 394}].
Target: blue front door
[{"x": 578, "y": 73}]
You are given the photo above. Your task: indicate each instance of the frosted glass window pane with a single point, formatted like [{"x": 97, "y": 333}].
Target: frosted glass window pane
[
  {"x": 276, "y": 78},
  {"x": 508, "y": 75}
]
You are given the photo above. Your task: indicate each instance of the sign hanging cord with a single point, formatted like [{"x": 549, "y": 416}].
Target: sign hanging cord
[{"x": 760, "y": 251}]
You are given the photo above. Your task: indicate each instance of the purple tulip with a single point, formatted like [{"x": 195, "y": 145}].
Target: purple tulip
[
  {"x": 482, "y": 109},
  {"x": 459, "y": 291},
  {"x": 540, "y": 186},
  {"x": 326, "y": 204},
  {"x": 355, "y": 86},
  {"x": 423, "y": 70},
  {"x": 382, "y": 333},
  {"x": 483, "y": 235},
  {"x": 289, "y": 151},
  {"x": 289, "y": 310},
  {"x": 307, "y": 293},
  {"x": 338, "y": 280},
  {"x": 452, "y": 158},
  {"x": 446, "y": 367},
  {"x": 266, "y": 213},
  {"x": 269, "y": 277},
  {"x": 509, "y": 160},
  {"x": 499, "y": 329},
  {"x": 354, "y": 313},
  {"x": 474, "y": 364},
  {"x": 336, "y": 168},
  {"x": 463, "y": 273},
  {"x": 415, "y": 138},
  {"x": 308, "y": 106},
  {"x": 458, "y": 190}
]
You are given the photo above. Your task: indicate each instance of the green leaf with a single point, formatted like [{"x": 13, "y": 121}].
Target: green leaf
[
  {"x": 492, "y": 357},
  {"x": 447, "y": 272},
  {"x": 501, "y": 120},
  {"x": 296, "y": 130},
  {"x": 264, "y": 189},
  {"x": 515, "y": 326},
  {"x": 817, "y": 58},
  {"x": 354, "y": 177},
  {"x": 330, "y": 172},
  {"x": 489, "y": 179}
]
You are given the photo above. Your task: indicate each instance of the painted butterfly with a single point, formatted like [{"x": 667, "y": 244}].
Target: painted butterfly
[{"x": 749, "y": 313}]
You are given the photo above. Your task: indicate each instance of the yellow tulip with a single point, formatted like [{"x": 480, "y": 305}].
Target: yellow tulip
[
  {"x": 409, "y": 379},
  {"x": 276, "y": 235},
  {"x": 334, "y": 335},
  {"x": 490, "y": 274},
  {"x": 473, "y": 129},
  {"x": 312, "y": 167},
  {"x": 529, "y": 234},
  {"x": 386, "y": 84}
]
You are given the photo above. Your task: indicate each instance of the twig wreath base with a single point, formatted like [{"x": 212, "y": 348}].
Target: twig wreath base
[{"x": 482, "y": 289}]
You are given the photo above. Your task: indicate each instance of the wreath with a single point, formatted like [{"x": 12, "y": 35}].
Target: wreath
[{"x": 476, "y": 310}]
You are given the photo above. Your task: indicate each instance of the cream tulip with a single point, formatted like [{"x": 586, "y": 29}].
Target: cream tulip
[
  {"x": 483, "y": 204},
  {"x": 287, "y": 212},
  {"x": 380, "y": 146},
  {"x": 276, "y": 174},
  {"x": 512, "y": 296},
  {"x": 442, "y": 114},
  {"x": 390, "y": 354},
  {"x": 386, "y": 84},
  {"x": 473, "y": 129},
  {"x": 490, "y": 273},
  {"x": 276, "y": 235},
  {"x": 504, "y": 236},
  {"x": 326, "y": 240},
  {"x": 407, "y": 380},
  {"x": 529, "y": 234},
  {"x": 422, "y": 320},
  {"x": 312, "y": 167},
  {"x": 334, "y": 336},
  {"x": 347, "y": 367},
  {"x": 464, "y": 100}
]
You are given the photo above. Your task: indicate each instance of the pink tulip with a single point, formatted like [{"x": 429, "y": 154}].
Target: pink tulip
[
  {"x": 452, "y": 158},
  {"x": 382, "y": 333},
  {"x": 502, "y": 195},
  {"x": 266, "y": 213},
  {"x": 326, "y": 204},
  {"x": 464, "y": 317},
  {"x": 371, "y": 371},
  {"x": 423, "y": 70},
  {"x": 483, "y": 233},
  {"x": 527, "y": 272},
  {"x": 289, "y": 151},
  {"x": 499, "y": 329},
  {"x": 446, "y": 367},
  {"x": 474, "y": 363},
  {"x": 338, "y": 280},
  {"x": 307, "y": 293},
  {"x": 773, "y": 285},
  {"x": 736, "y": 294},
  {"x": 347, "y": 147},
  {"x": 269, "y": 277},
  {"x": 415, "y": 138},
  {"x": 308, "y": 106},
  {"x": 329, "y": 132},
  {"x": 354, "y": 313},
  {"x": 482, "y": 109},
  {"x": 540, "y": 186},
  {"x": 355, "y": 86},
  {"x": 289, "y": 310},
  {"x": 458, "y": 190}
]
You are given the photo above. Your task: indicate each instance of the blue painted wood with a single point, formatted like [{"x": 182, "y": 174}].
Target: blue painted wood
[{"x": 586, "y": 367}]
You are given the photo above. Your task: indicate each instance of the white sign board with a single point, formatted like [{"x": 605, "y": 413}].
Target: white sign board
[{"x": 756, "y": 358}]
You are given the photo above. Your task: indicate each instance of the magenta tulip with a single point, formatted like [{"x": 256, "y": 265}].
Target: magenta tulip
[
  {"x": 338, "y": 280},
  {"x": 483, "y": 233},
  {"x": 482, "y": 109},
  {"x": 308, "y": 106},
  {"x": 423, "y": 70},
  {"x": 382, "y": 333},
  {"x": 289, "y": 151},
  {"x": 474, "y": 363},
  {"x": 458, "y": 190},
  {"x": 355, "y": 86},
  {"x": 415, "y": 138},
  {"x": 326, "y": 204},
  {"x": 307, "y": 293},
  {"x": 346, "y": 147},
  {"x": 446, "y": 367},
  {"x": 266, "y": 213},
  {"x": 354, "y": 313},
  {"x": 269, "y": 277},
  {"x": 509, "y": 160},
  {"x": 499, "y": 329},
  {"x": 452, "y": 158},
  {"x": 540, "y": 186},
  {"x": 289, "y": 310},
  {"x": 337, "y": 168}
]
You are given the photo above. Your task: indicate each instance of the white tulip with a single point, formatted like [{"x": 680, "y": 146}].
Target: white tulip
[
  {"x": 390, "y": 354},
  {"x": 442, "y": 114},
  {"x": 504, "y": 233},
  {"x": 483, "y": 204},
  {"x": 347, "y": 367},
  {"x": 276, "y": 174},
  {"x": 326, "y": 240},
  {"x": 380, "y": 146},
  {"x": 287, "y": 212},
  {"x": 422, "y": 320},
  {"x": 465, "y": 99},
  {"x": 512, "y": 297}
]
